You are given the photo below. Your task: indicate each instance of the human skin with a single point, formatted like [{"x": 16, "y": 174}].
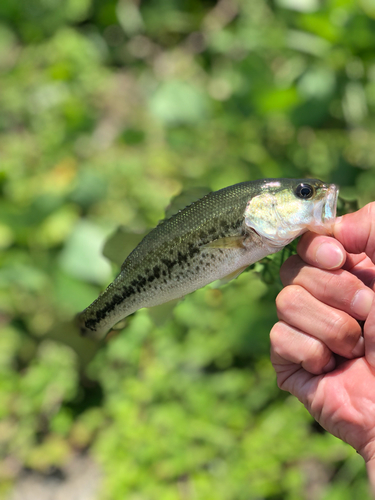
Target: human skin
[{"x": 319, "y": 351}]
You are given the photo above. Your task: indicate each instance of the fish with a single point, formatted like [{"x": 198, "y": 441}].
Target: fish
[{"x": 215, "y": 238}]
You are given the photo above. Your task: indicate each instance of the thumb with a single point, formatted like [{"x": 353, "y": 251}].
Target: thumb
[{"x": 356, "y": 231}]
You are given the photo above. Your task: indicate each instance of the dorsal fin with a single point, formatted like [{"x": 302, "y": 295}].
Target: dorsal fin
[
  {"x": 120, "y": 244},
  {"x": 184, "y": 199}
]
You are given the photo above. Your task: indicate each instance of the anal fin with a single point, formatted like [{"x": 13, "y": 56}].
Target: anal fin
[{"x": 161, "y": 313}]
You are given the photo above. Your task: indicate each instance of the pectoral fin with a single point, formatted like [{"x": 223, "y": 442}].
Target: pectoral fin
[{"x": 228, "y": 242}]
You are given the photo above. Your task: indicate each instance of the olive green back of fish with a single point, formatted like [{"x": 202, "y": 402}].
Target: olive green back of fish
[{"x": 216, "y": 215}]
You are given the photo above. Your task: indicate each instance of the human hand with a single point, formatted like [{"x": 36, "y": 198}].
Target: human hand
[{"x": 317, "y": 347}]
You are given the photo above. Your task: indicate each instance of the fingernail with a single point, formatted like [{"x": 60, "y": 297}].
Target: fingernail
[
  {"x": 359, "y": 349},
  {"x": 328, "y": 256},
  {"x": 330, "y": 365},
  {"x": 362, "y": 302}
]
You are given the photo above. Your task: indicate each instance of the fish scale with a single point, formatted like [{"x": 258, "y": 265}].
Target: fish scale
[{"x": 208, "y": 240}]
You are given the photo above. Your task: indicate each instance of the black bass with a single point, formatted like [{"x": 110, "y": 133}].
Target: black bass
[{"x": 216, "y": 237}]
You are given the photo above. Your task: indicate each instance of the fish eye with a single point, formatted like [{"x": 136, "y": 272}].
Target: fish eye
[{"x": 304, "y": 191}]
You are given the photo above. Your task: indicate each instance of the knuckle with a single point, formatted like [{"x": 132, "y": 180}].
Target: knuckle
[
  {"x": 317, "y": 357},
  {"x": 289, "y": 299},
  {"x": 347, "y": 283},
  {"x": 337, "y": 327},
  {"x": 342, "y": 329},
  {"x": 277, "y": 335},
  {"x": 316, "y": 350},
  {"x": 274, "y": 333}
]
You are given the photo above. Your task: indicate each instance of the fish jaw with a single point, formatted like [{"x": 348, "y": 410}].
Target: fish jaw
[{"x": 325, "y": 213}]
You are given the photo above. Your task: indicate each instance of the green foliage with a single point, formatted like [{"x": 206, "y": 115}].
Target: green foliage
[{"x": 108, "y": 110}]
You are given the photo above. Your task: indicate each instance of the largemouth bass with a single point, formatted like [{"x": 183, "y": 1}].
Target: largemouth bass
[{"x": 216, "y": 237}]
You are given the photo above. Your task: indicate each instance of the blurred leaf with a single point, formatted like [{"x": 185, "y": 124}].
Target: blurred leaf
[
  {"x": 277, "y": 100},
  {"x": 305, "y": 42},
  {"x": 317, "y": 83},
  {"x": 82, "y": 257},
  {"x": 129, "y": 17},
  {"x": 354, "y": 103},
  {"x": 120, "y": 244},
  {"x": 54, "y": 452},
  {"x": 299, "y": 5},
  {"x": 77, "y": 10},
  {"x": 176, "y": 102},
  {"x": 89, "y": 189}
]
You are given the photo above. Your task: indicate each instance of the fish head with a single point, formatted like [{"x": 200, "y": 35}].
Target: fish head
[{"x": 285, "y": 208}]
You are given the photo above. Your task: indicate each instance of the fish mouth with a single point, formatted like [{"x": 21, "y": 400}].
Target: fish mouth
[{"x": 330, "y": 205}]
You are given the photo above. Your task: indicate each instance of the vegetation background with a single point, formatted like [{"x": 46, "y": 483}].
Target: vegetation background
[{"x": 108, "y": 109}]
